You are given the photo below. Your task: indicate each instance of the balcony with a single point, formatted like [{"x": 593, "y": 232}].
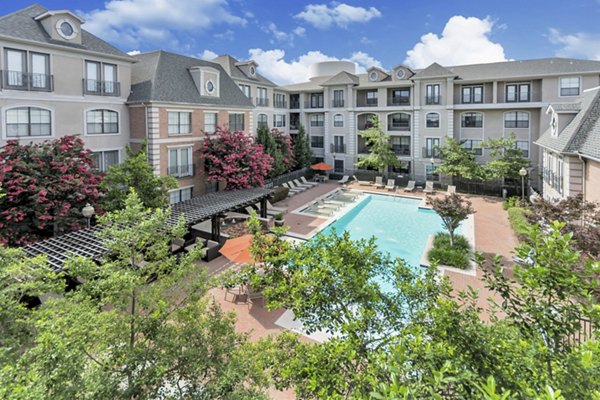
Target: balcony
[
  {"x": 433, "y": 100},
  {"x": 429, "y": 152},
  {"x": 181, "y": 171},
  {"x": 27, "y": 81},
  {"x": 101, "y": 88},
  {"x": 365, "y": 121},
  {"x": 280, "y": 104},
  {"x": 262, "y": 102},
  {"x": 338, "y": 148},
  {"x": 313, "y": 104},
  {"x": 337, "y": 103},
  {"x": 399, "y": 101},
  {"x": 294, "y": 105},
  {"x": 399, "y": 126},
  {"x": 401, "y": 150}
]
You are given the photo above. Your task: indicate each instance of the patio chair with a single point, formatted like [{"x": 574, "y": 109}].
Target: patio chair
[
  {"x": 270, "y": 212},
  {"x": 300, "y": 184},
  {"x": 304, "y": 181},
  {"x": 391, "y": 184},
  {"x": 275, "y": 208},
  {"x": 253, "y": 295},
  {"x": 410, "y": 187},
  {"x": 345, "y": 179},
  {"x": 293, "y": 190},
  {"x": 451, "y": 189},
  {"x": 362, "y": 183},
  {"x": 429, "y": 187},
  {"x": 379, "y": 182},
  {"x": 294, "y": 186}
]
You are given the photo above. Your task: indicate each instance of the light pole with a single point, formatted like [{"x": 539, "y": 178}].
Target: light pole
[
  {"x": 523, "y": 173},
  {"x": 87, "y": 212}
]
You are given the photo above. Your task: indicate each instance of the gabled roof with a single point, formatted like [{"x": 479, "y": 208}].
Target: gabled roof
[
  {"x": 342, "y": 78},
  {"x": 234, "y": 67},
  {"x": 435, "y": 70},
  {"x": 161, "y": 76},
  {"x": 22, "y": 24},
  {"x": 583, "y": 128}
]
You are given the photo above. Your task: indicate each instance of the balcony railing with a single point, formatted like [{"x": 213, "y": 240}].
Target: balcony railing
[
  {"x": 429, "y": 152},
  {"x": 399, "y": 101},
  {"x": 280, "y": 104},
  {"x": 294, "y": 105},
  {"x": 181, "y": 171},
  {"x": 433, "y": 99},
  {"x": 399, "y": 127},
  {"x": 363, "y": 149},
  {"x": 309, "y": 104},
  {"x": 294, "y": 127},
  {"x": 401, "y": 150},
  {"x": 336, "y": 103},
  {"x": 101, "y": 88},
  {"x": 338, "y": 148},
  {"x": 262, "y": 102},
  {"x": 27, "y": 81}
]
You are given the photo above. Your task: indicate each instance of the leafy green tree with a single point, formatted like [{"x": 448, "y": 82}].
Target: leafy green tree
[
  {"x": 453, "y": 210},
  {"x": 507, "y": 159},
  {"x": 138, "y": 174},
  {"x": 381, "y": 154},
  {"x": 302, "y": 152},
  {"x": 139, "y": 326},
  {"x": 457, "y": 161},
  {"x": 279, "y": 146}
]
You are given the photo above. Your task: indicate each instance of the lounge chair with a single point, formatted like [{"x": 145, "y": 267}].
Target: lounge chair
[
  {"x": 391, "y": 184},
  {"x": 304, "y": 181},
  {"x": 300, "y": 184},
  {"x": 379, "y": 182},
  {"x": 362, "y": 183},
  {"x": 294, "y": 186},
  {"x": 275, "y": 208},
  {"x": 451, "y": 189},
  {"x": 293, "y": 190},
  {"x": 429, "y": 188},
  {"x": 410, "y": 187},
  {"x": 270, "y": 211},
  {"x": 345, "y": 179}
]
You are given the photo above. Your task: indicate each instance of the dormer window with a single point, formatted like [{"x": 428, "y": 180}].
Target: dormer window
[
  {"x": 206, "y": 80},
  {"x": 400, "y": 74},
  {"x": 554, "y": 124},
  {"x": 252, "y": 71},
  {"x": 66, "y": 29},
  {"x": 210, "y": 86},
  {"x": 373, "y": 76}
]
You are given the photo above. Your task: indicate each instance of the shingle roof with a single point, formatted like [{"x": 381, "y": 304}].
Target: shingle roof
[
  {"x": 230, "y": 65},
  {"x": 22, "y": 25},
  {"x": 342, "y": 78},
  {"x": 165, "y": 77}
]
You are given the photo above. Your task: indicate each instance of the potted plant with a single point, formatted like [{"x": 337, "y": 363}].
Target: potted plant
[{"x": 279, "y": 219}]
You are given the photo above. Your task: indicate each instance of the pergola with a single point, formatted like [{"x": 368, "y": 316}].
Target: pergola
[{"x": 86, "y": 243}]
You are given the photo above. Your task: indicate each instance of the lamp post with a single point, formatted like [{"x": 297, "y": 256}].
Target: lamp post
[
  {"x": 87, "y": 212},
  {"x": 523, "y": 173}
]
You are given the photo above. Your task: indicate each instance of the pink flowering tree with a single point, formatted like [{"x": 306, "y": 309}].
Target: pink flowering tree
[
  {"x": 45, "y": 186},
  {"x": 234, "y": 158}
]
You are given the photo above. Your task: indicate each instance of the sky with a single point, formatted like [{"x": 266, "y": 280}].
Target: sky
[{"x": 285, "y": 36}]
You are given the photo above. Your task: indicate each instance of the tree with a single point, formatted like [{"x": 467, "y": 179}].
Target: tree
[
  {"x": 138, "y": 326},
  {"x": 279, "y": 146},
  {"x": 458, "y": 161},
  {"x": 381, "y": 154},
  {"x": 45, "y": 186},
  {"x": 234, "y": 158},
  {"x": 507, "y": 159},
  {"x": 453, "y": 210},
  {"x": 138, "y": 174},
  {"x": 302, "y": 152}
]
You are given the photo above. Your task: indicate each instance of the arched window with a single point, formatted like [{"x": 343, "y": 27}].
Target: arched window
[
  {"x": 471, "y": 120},
  {"x": 366, "y": 121},
  {"x": 28, "y": 121},
  {"x": 432, "y": 120},
  {"x": 399, "y": 122},
  {"x": 262, "y": 121},
  {"x": 338, "y": 121},
  {"x": 102, "y": 121}
]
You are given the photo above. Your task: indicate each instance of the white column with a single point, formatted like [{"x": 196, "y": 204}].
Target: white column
[{"x": 153, "y": 134}]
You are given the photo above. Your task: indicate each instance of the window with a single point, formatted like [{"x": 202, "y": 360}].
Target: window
[
  {"x": 473, "y": 145},
  {"x": 66, "y": 30},
  {"x": 179, "y": 195},
  {"x": 432, "y": 120},
  {"x": 372, "y": 97},
  {"x": 210, "y": 122},
  {"x": 28, "y": 121},
  {"x": 400, "y": 96},
  {"x": 399, "y": 122},
  {"x": 317, "y": 142},
  {"x": 523, "y": 145},
  {"x": 338, "y": 121},
  {"x": 316, "y": 100},
  {"x": 432, "y": 94},
  {"x": 516, "y": 119},
  {"x": 317, "y": 120},
  {"x": 101, "y": 78},
  {"x": 236, "y": 122},
  {"x": 109, "y": 78},
  {"x": 279, "y": 120},
  {"x": 261, "y": 97},
  {"x": 402, "y": 168},
  {"x": 179, "y": 122},
  {"x": 338, "y": 166},
  {"x": 432, "y": 148},
  {"x": 180, "y": 162},
  {"x": 262, "y": 121},
  {"x": 373, "y": 76},
  {"x": 401, "y": 145},
  {"x": 471, "y": 120},
  {"x": 279, "y": 100},
  {"x": 338, "y": 98},
  {"x": 104, "y": 159},
  {"x": 39, "y": 68},
  {"x": 338, "y": 145},
  {"x": 245, "y": 89},
  {"x": 102, "y": 121},
  {"x": 472, "y": 94},
  {"x": 431, "y": 172},
  {"x": 19, "y": 74},
  {"x": 569, "y": 86},
  {"x": 517, "y": 92}
]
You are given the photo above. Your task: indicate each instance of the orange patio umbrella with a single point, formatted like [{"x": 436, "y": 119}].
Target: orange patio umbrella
[
  {"x": 238, "y": 249},
  {"x": 321, "y": 167}
]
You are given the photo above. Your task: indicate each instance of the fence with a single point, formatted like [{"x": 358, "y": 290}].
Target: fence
[
  {"x": 278, "y": 180},
  {"x": 367, "y": 175},
  {"x": 487, "y": 188}
]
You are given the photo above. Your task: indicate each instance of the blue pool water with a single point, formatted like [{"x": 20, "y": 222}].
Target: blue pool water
[{"x": 399, "y": 226}]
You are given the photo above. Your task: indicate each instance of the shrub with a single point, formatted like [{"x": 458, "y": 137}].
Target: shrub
[
  {"x": 279, "y": 193},
  {"x": 454, "y": 256},
  {"x": 518, "y": 221},
  {"x": 513, "y": 201}
]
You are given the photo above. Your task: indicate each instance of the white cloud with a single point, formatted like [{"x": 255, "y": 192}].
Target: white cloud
[
  {"x": 581, "y": 45},
  {"x": 226, "y": 36},
  {"x": 134, "y": 22},
  {"x": 323, "y": 16},
  {"x": 463, "y": 41},
  {"x": 299, "y": 31},
  {"x": 208, "y": 55},
  {"x": 273, "y": 65},
  {"x": 134, "y": 52}
]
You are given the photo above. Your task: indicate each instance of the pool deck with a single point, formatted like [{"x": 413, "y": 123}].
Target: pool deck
[{"x": 493, "y": 235}]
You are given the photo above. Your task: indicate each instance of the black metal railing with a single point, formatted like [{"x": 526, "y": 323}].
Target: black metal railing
[
  {"x": 398, "y": 101},
  {"x": 101, "y": 88},
  {"x": 278, "y": 180},
  {"x": 294, "y": 105},
  {"x": 433, "y": 99},
  {"x": 429, "y": 152},
  {"x": 280, "y": 104},
  {"x": 262, "y": 102},
  {"x": 399, "y": 126},
  {"x": 181, "y": 171},
  {"x": 337, "y": 148},
  {"x": 337, "y": 103},
  {"x": 401, "y": 150},
  {"x": 27, "y": 81},
  {"x": 312, "y": 104}
]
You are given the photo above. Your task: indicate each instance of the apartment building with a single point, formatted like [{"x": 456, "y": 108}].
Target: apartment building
[
  {"x": 419, "y": 109},
  {"x": 175, "y": 101},
  {"x": 57, "y": 79},
  {"x": 270, "y": 102}
]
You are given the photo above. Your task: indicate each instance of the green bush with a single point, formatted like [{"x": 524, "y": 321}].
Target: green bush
[
  {"x": 456, "y": 256},
  {"x": 514, "y": 201},
  {"x": 279, "y": 193},
  {"x": 518, "y": 221}
]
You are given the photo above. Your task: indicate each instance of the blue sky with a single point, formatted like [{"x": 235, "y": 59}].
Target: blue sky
[{"x": 286, "y": 36}]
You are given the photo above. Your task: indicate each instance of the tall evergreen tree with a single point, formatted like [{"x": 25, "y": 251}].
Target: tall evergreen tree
[{"x": 302, "y": 152}]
